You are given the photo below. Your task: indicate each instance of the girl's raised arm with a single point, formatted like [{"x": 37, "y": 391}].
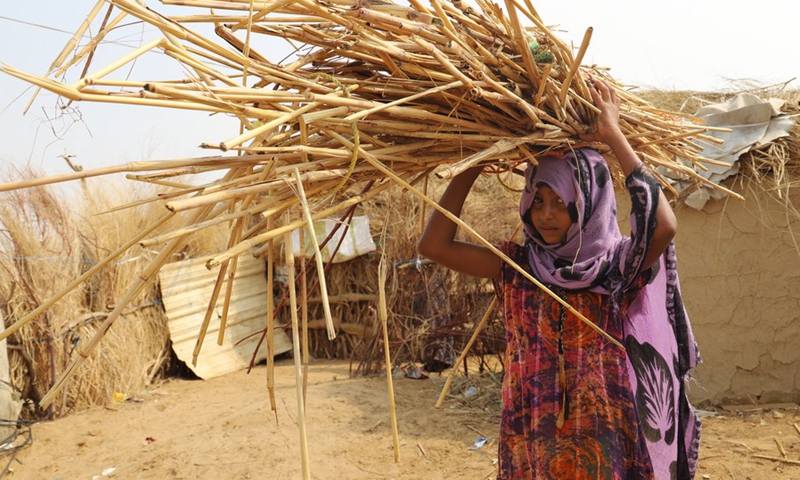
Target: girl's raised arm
[
  {"x": 608, "y": 131},
  {"x": 438, "y": 241}
]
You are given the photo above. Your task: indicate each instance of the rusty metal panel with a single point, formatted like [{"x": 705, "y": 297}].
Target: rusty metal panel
[{"x": 186, "y": 288}]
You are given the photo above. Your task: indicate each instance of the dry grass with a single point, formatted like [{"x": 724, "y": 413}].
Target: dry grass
[{"x": 48, "y": 239}]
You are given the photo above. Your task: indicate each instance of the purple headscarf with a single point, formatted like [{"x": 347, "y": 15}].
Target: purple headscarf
[{"x": 583, "y": 182}]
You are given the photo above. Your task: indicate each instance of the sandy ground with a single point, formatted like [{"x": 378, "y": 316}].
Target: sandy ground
[{"x": 223, "y": 429}]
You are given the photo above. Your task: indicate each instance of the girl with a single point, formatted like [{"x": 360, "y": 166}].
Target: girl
[{"x": 572, "y": 405}]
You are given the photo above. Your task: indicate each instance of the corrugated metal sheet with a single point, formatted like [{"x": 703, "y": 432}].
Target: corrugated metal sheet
[{"x": 186, "y": 288}]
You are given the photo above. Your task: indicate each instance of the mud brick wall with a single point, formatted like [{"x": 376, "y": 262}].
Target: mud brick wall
[{"x": 739, "y": 265}]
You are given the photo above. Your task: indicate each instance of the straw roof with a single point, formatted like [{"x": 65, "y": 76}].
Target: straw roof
[{"x": 378, "y": 94}]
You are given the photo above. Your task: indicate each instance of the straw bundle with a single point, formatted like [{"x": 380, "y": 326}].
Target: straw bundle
[
  {"x": 379, "y": 94},
  {"x": 413, "y": 87}
]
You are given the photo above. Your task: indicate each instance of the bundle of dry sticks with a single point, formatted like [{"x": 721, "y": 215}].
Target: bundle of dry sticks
[{"x": 376, "y": 94}]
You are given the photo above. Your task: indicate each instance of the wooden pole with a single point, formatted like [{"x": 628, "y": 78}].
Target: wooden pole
[{"x": 478, "y": 328}]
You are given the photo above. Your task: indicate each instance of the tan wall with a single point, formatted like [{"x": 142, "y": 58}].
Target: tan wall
[
  {"x": 740, "y": 273},
  {"x": 739, "y": 268}
]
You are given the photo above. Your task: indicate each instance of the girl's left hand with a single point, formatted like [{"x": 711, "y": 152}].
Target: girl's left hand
[{"x": 607, "y": 124}]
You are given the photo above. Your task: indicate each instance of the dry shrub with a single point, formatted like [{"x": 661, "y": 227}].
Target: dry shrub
[
  {"x": 41, "y": 255},
  {"x": 433, "y": 310},
  {"x": 48, "y": 239}
]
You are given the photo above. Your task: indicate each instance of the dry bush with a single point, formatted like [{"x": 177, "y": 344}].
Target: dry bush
[
  {"x": 41, "y": 255},
  {"x": 433, "y": 310},
  {"x": 50, "y": 238}
]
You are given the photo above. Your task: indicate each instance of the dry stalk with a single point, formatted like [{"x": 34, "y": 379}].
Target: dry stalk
[
  {"x": 383, "y": 313},
  {"x": 778, "y": 459},
  {"x": 323, "y": 287},
  {"x": 271, "y": 318},
  {"x": 298, "y": 372}
]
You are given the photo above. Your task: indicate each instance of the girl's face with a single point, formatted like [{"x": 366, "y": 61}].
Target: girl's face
[{"x": 550, "y": 216}]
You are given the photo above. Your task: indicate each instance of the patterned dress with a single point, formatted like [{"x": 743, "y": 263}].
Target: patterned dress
[{"x": 601, "y": 436}]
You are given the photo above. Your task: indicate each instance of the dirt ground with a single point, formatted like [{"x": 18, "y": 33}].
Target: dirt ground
[{"x": 223, "y": 428}]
